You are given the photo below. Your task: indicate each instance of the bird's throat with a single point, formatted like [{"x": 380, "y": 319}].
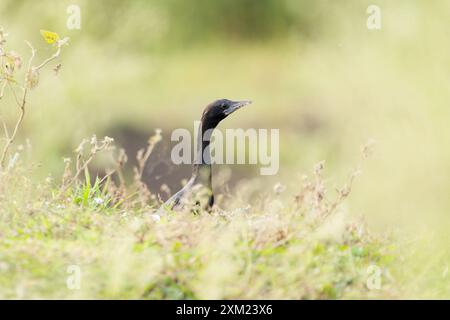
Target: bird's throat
[{"x": 202, "y": 166}]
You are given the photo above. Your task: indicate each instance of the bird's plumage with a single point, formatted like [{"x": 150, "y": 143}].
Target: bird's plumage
[{"x": 197, "y": 193}]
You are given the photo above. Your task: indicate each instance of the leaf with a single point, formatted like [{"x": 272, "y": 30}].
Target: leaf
[
  {"x": 49, "y": 36},
  {"x": 359, "y": 252}
]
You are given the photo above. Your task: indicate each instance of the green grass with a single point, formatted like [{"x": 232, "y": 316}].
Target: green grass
[
  {"x": 328, "y": 86},
  {"x": 302, "y": 248}
]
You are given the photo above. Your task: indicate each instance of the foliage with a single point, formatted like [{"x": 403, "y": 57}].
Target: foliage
[
  {"x": 10, "y": 64},
  {"x": 316, "y": 72},
  {"x": 302, "y": 248}
]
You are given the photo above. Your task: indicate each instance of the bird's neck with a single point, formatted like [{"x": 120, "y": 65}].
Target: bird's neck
[{"x": 202, "y": 167}]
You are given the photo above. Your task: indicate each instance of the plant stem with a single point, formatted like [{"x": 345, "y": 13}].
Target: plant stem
[
  {"x": 19, "y": 121},
  {"x": 22, "y": 102}
]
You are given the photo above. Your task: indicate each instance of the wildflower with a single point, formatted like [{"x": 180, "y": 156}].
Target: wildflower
[
  {"x": 279, "y": 188},
  {"x": 98, "y": 201},
  {"x": 108, "y": 140},
  {"x": 156, "y": 217}
]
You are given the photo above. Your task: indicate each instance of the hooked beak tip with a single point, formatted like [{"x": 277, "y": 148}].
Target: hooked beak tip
[
  {"x": 240, "y": 104},
  {"x": 237, "y": 105}
]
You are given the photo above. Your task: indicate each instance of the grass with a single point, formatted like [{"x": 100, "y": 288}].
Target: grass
[
  {"x": 327, "y": 93},
  {"x": 301, "y": 247}
]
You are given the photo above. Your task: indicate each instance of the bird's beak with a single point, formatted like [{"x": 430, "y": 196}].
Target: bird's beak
[{"x": 235, "y": 105}]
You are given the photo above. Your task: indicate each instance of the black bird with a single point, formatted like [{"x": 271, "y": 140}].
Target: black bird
[{"x": 197, "y": 193}]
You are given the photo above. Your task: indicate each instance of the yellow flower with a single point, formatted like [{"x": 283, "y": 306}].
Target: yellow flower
[{"x": 49, "y": 36}]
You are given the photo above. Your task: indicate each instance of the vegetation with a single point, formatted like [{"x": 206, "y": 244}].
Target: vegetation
[
  {"x": 312, "y": 69},
  {"x": 302, "y": 249}
]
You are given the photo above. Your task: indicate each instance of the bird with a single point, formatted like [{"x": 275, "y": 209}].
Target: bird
[{"x": 197, "y": 193}]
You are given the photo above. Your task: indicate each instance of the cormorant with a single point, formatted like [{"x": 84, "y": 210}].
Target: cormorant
[{"x": 197, "y": 193}]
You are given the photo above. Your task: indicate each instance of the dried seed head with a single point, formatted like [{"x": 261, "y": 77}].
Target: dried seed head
[
  {"x": 32, "y": 78},
  {"x": 165, "y": 188},
  {"x": 318, "y": 168},
  {"x": 63, "y": 42},
  {"x": 57, "y": 68},
  {"x": 122, "y": 158},
  {"x": 14, "y": 61},
  {"x": 155, "y": 138},
  {"x": 80, "y": 147},
  {"x": 279, "y": 188},
  {"x": 3, "y": 36},
  {"x": 367, "y": 149},
  {"x": 94, "y": 140}
]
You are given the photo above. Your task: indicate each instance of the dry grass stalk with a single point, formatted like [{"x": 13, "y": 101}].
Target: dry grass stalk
[
  {"x": 82, "y": 161},
  {"x": 10, "y": 62}
]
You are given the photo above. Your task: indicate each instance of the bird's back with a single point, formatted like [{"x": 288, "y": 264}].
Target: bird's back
[{"x": 194, "y": 195}]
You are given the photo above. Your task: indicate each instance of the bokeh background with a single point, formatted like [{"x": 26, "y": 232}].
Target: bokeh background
[{"x": 312, "y": 68}]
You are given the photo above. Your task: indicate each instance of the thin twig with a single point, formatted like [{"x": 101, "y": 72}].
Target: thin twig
[
  {"x": 16, "y": 127},
  {"x": 142, "y": 156},
  {"x": 16, "y": 98},
  {"x": 106, "y": 176},
  {"x": 77, "y": 174},
  {"x": 22, "y": 102},
  {"x": 5, "y": 129},
  {"x": 33, "y": 53},
  {"x": 81, "y": 167},
  {"x": 53, "y": 57},
  {"x": 2, "y": 89}
]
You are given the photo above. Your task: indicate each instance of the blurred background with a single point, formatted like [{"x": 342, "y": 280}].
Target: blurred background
[{"x": 312, "y": 68}]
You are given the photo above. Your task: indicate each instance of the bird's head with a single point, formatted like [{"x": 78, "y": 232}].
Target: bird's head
[{"x": 219, "y": 110}]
